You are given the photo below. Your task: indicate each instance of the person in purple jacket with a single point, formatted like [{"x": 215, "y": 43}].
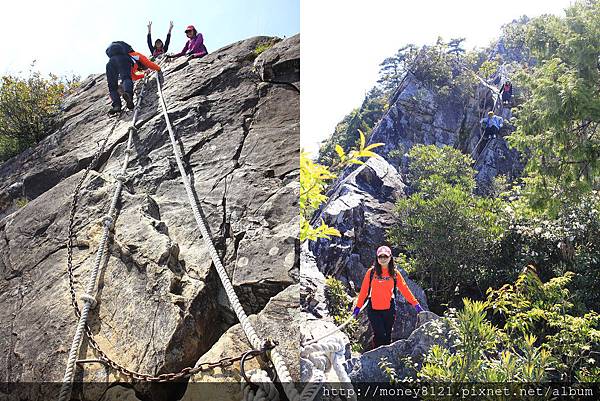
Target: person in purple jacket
[{"x": 194, "y": 47}]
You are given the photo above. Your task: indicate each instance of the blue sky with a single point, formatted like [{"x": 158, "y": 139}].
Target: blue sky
[
  {"x": 344, "y": 41},
  {"x": 69, "y": 36}
]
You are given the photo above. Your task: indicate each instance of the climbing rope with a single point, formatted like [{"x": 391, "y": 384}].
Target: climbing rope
[
  {"x": 255, "y": 341},
  {"x": 325, "y": 355},
  {"x": 259, "y": 387},
  {"x": 337, "y": 328},
  {"x": 88, "y": 298}
]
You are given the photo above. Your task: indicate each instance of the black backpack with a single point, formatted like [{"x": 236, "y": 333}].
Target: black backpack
[
  {"x": 395, "y": 291},
  {"x": 117, "y": 48}
]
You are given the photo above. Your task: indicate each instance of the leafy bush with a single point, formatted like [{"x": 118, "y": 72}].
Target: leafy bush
[
  {"x": 544, "y": 310},
  {"x": 338, "y": 303},
  {"x": 263, "y": 46},
  {"x": 483, "y": 352},
  {"x": 570, "y": 242},
  {"x": 532, "y": 335},
  {"x": 451, "y": 235},
  {"x": 28, "y": 110},
  {"x": 429, "y": 163},
  {"x": 452, "y": 238}
]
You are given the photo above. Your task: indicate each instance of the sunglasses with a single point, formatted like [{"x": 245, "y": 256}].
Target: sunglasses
[{"x": 383, "y": 257}]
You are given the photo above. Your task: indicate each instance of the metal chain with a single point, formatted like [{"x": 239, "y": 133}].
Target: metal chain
[{"x": 188, "y": 371}]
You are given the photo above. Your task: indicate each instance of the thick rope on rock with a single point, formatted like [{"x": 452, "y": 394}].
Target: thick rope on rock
[
  {"x": 265, "y": 390},
  {"x": 255, "y": 341},
  {"x": 324, "y": 355},
  {"x": 89, "y": 300}
]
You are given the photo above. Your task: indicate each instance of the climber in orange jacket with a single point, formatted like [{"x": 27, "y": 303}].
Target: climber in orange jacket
[
  {"x": 129, "y": 66},
  {"x": 378, "y": 286}
]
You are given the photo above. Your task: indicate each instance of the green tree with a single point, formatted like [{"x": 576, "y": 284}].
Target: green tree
[
  {"x": 451, "y": 235},
  {"x": 28, "y": 110},
  {"x": 394, "y": 68},
  {"x": 432, "y": 163},
  {"x": 346, "y": 133},
  {"x": 558, "y": 123}
]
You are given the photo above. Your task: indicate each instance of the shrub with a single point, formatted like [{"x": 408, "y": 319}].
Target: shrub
[
  {"x": 263, "y": 46},
  {"x": 532, "y": 335},
  {"x": 429, "y": 163},
  {"x": 451, "y": 236},
  {"x": 544, "y": 310},
  {"x": 338, "y": 303},
  {"x": 28, "y": 110},
  {"x": 570, "y": 242}
]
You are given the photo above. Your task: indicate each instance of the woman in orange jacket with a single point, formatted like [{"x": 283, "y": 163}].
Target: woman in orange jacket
[{"x": 378, "y": 286}]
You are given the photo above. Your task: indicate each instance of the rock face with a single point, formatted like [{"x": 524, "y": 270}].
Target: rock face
[
  {"x": 279, "y": 321},
  {"x": 431, "y": 330},
  {"x": 160, "y": 303},
  {"x": 417, "y": 115}
]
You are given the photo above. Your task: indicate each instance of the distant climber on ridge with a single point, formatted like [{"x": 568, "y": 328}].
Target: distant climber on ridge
[
  {"x": 506, "y": 92},
  {"x": 491, "y": 125},
  {"x": 158, "y": 47},
  {"x": 128, "y": 65},
  {"x": 379, "y": 285},
  {"x": 194, "y": 47}
]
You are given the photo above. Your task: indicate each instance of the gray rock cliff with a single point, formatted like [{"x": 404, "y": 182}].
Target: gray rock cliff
[{"x": 161, "y": 306}]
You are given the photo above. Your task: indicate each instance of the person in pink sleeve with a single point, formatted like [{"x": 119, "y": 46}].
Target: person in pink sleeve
[{"x": 194, "y": 47}]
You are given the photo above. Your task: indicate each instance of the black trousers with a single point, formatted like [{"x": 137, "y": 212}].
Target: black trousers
[
  {"x": 119, "y": 66},
  {"x": 490, "y": 132},
  {"x": 382, "y": 322}
]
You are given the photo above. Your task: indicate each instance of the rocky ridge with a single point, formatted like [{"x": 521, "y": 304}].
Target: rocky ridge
[{"x": 361, "y": 202}]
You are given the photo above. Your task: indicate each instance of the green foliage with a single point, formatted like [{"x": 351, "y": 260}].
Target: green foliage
[
  {"x": 445, "y": 72},
  {"x": 388, "y": 369},
  {"x": 487, "y": 69},
  {"x": 558, "y": 123},
  {"x": 544, "y": 310},
  {"x": 513, "y": 37},
  {"x": 452, "y": 238},
  {"x": 431, "y": 164},
  {"x": 261, "y": 47},
  {"x": 570, "y": 242},
  {"x": 483, "y": 352},
  {"x": 28, "y": 110},
  {"x": 537, "y": 337},
  {"x": 451, "y": 235},
  {"x": 338, "y": 303},
  {"x": 439, "y": 68},
  {"x": 21, "y": 202},
  {"x": 313, "y": 178},
  {"x": 393, "y": 69},
  {"x": 346, "y": 131}
]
